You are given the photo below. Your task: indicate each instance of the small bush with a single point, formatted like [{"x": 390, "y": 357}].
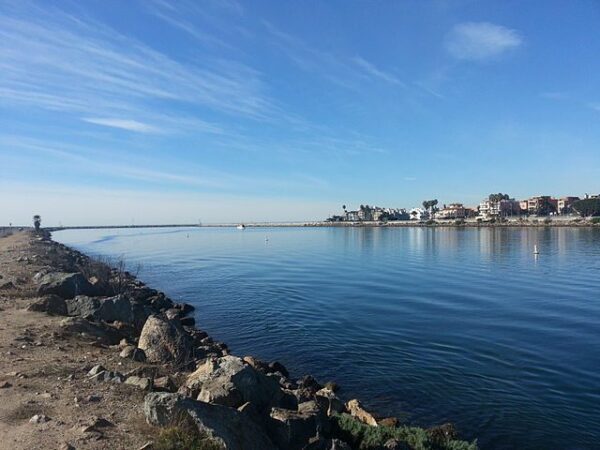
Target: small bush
[
  {"x": 430, "y": 222},
  {"x": 183, "y": 434},
  {"x": 595, "y": 220},
  {"x": 365, "y": 437},
  {"x": 459, "y": 222},
  {"x": 177, "y": 438},
  {"x": 547, "y": 221}
]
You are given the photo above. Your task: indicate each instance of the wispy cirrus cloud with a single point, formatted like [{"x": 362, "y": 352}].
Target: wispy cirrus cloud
[
  {"x": 347, "y": 72},
  {"x": 57, "y": 62},
  {"x": 375, "y": 72},
  {"x": 123, "y": 124},
  {"x": 480, "y": 41}
]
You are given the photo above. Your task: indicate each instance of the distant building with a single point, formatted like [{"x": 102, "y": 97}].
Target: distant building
[
  {"x": 352, "y": 216},
  {"x": 565, "y": 204},
  {"x": 493, "y": 209},
  {"x": 542, "y": 205},
  {"x": 418, "y": 214},
  {"x": 452, "y": 211}
]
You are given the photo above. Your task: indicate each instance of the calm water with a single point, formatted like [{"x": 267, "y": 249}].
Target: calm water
[{"x": 436, "y": 325}]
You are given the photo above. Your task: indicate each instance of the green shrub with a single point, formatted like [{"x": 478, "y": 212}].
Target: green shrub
[
  {"x": 430, "y": 222},
  {"x": 459, "y": 222},
  {"x": 547, "y": 221},
  {"x": 365, "y": 437},
  {"x": 595, "y": 220},
  {"x": 183, "y": 434}
]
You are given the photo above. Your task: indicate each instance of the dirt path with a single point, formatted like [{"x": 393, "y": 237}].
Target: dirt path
[{"x": 43, "y": 372}]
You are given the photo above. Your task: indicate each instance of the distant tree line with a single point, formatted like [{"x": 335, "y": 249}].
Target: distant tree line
[{"x": 587, "y": 207}]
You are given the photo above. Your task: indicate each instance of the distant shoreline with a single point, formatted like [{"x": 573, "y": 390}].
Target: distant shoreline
[{"x": 535, "y": 223}]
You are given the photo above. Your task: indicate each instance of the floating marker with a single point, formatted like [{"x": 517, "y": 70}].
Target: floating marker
[{"x": 535, "y": 250}]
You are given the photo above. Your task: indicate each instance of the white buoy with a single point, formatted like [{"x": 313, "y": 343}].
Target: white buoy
[{"x": 535, "y": 250}]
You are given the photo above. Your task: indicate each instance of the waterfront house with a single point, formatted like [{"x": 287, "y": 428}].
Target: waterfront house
[
  {"x": 542, "y": 205},
  {"x": 418, "y": 214},
  {"x": 565, "y": 204},
  {"x": 452, "y": 211},
  {"x": 493, "y": 209},
  {"x": 352, "y": 216}
]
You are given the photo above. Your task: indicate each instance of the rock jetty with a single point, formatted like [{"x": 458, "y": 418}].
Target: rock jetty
[{"x": 141, "y": 374}]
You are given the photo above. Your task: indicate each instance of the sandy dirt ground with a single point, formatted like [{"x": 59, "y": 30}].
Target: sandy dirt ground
[{"x": 43, "y": 371}]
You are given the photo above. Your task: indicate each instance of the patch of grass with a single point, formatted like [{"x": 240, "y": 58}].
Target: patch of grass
[
  {"x": 365, "y": 437},
  {"x": 183, "y": 434}
]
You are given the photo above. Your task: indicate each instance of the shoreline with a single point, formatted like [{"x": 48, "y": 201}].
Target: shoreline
[
  {"x": 178, "y": 366},
  {"x": 526, "y": 223}
]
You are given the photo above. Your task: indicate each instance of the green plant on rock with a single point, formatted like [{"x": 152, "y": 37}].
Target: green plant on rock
[
  {"x": 365, "y": 437},
  {"x": 183, "y": 434}
]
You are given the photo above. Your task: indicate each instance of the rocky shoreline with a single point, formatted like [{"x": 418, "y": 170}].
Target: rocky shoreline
[{"x": 193, "y": 392}]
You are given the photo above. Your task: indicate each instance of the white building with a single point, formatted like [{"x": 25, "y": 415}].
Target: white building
[{"x": 418, "y": 214}]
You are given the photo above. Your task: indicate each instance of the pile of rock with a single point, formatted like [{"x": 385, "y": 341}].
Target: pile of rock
[{"x": 240, "y": 403}]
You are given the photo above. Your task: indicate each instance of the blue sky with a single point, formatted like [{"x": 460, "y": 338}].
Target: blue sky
[{"x": 219, "y": 110}]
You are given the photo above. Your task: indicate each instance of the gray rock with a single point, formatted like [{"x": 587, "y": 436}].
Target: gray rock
[
  {"x": 65, "y": 285},
  {"x": 294, "y": 430},
  {"x": 98, "y": 330},
  {"x": 134, "y": 353},
  {"x": 165, "y": 384},
  {"x": 108, "y": 309},
  {"x": 142, "y": 382},
  {"x": 50, "y": 304},
  {"x": 226, "y": 426},
  {"x": 96, "y": 370},
  {"x": 188, "y": 321},
  {"x": 39, "y": 418},
  {"x": 229, "y": 381},
  {"x": 108, "y": 376},
  {"x": 329, "y": 402},
  {"x": 165, "y": 341}
]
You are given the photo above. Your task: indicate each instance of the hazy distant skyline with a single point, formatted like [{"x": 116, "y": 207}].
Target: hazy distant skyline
[{"x": 222, "y": 111}]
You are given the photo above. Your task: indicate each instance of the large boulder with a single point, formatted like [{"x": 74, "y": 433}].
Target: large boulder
[
  {"x": 229, "y": 381},
  {"x": 108, "y": 309},
  {"x": 100, "y": 331},
  {"x": 50, "y": 304},
  {"x": 65, "y": 285},
  {"x": 226, "y": 426},
  {"x": 165, "y": 341},
  {"x": 294, "y": 430}
]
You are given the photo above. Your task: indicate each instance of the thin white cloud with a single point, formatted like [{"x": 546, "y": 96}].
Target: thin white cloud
[
  {"x": 123, "y": 124},
  {"x": 375, "y": 72},
  {"x": 56, "y": 62},
  {"x": 347, "y": 72},
  {"x": 479, "y": 41}
]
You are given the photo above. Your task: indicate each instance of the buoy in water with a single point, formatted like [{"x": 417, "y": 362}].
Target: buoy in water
[{"x": 535, "y": 250}]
